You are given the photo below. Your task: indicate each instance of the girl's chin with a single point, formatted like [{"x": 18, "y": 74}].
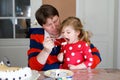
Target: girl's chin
[{"x": 69, "y": 42}]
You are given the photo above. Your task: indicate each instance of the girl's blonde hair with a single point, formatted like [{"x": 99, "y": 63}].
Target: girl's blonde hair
[{"x": 77, "y": 25}]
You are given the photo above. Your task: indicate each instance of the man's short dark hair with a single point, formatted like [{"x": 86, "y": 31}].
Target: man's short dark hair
[{"x": 44, "y": 12}]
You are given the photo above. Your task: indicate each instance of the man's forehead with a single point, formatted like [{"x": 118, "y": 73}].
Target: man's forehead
[{"x": 52, "y": 19}]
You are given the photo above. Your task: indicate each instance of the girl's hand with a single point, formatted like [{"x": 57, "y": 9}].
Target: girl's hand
[
  {"x": 79, "y": 66},
  {"x": 60, "y": 57},
  {"x": 72, "y": 66},
  {"x": 48, "y": 44}
]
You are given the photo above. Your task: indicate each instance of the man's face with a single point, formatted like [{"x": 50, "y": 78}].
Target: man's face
[{"x": 52, "y": 25}]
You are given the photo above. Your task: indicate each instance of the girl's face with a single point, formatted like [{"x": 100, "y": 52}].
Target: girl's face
[{"x": 69, "y": 33}]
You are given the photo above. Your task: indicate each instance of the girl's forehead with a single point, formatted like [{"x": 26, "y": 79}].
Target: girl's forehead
[{"x": 68, "y": 28}]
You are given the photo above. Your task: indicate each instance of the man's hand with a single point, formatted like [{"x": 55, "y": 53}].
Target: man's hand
[{"x": 48, "y": 44}]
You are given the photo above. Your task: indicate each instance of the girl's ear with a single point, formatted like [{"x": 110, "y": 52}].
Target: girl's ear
[{"x": 78, "y": 33}]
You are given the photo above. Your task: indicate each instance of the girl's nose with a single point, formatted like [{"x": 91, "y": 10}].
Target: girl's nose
[{"x": 64, "y": 34}]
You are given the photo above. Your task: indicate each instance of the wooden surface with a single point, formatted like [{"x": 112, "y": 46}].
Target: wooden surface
[{"x": 94, "y": 74}]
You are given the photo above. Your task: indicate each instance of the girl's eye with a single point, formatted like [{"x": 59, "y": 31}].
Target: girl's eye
[{"x": 68, "y": 32}]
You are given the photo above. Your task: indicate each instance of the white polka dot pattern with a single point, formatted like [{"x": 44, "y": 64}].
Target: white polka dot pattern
[
  {"x": 91, "y": 59},
  {"x": 89, "y": 50},
  {"x": 81, "y": 51},
  {"x": 73, "y": 54},
  {"x": 89, "y": 64},
  {"x": 70, "y": 48},
  {"x": 85, "y": 56},
  {"x": 78, "y": 61},
  {"x": 86, "y": 44},
  {"x": 64, "y": 51},
  {"x": 79, "y": 46},
  {"x": 78, "y": 53},
  {"x": 68, "y": 59}
]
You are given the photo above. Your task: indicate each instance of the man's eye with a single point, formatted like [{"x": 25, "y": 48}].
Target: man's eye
[
  {"x": 55, "y": 21},
  {"x": 49, "y": 24}
]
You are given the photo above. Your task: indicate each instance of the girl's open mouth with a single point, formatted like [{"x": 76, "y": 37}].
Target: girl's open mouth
[{"x": 67, "y": 39}]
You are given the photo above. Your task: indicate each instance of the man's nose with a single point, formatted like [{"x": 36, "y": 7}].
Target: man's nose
[{"x": 53, "y": 26}]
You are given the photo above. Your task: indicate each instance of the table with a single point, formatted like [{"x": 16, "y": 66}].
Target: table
[{"x": 93, "y": 74}]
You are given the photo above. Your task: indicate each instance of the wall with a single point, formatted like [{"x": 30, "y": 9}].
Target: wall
[
  {"x": 15, "y": 50},
  {"x": 65, "y": 7},
  {"x": 98, "y": 17},
  {"x": 118, "y": 47}
]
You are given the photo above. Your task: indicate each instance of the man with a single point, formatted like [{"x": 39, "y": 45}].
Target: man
[
  {"x": 42, "y": 54},
  {"x": 44, "y": 42}
]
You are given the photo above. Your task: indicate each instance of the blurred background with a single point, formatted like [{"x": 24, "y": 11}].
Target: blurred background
[{"x": 101, "y": 17}]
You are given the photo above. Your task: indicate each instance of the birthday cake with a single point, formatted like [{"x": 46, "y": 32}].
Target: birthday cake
[{"x": 14, "y": 73}]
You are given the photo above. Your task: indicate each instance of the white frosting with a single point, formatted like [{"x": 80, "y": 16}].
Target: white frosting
[{"x": 20, "y": 74}]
